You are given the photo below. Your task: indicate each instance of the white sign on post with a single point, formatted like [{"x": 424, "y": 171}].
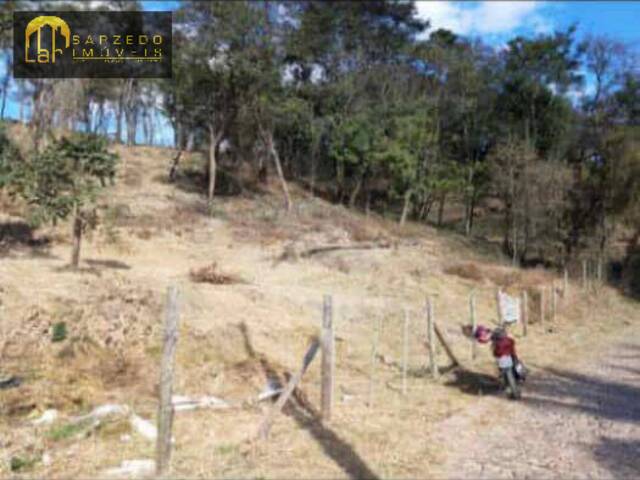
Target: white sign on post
[{"x": 510, "y": 308}]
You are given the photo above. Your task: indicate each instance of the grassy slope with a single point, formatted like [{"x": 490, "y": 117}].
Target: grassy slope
[{"x": 157, "y": 233}]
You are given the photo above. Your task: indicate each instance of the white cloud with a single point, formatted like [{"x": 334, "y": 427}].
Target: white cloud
[{"x": 484, "y": 18}]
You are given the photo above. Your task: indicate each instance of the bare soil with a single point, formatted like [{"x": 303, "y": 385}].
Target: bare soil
[{"x": 576, "y": 420}]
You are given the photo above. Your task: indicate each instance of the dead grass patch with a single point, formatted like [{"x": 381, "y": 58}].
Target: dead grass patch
[
  {"x": 211, "y": 274},
  {"x": 468, "y": 270}
]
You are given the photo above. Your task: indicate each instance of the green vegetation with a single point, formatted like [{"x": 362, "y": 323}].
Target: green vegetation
[
  {"x": 21, "y": 464},
  {"x": 59, "y": 332},
  {"x": 66, "y": 431}
]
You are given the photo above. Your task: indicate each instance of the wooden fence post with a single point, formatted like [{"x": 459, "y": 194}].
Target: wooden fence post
[
  {"x": 565, "y": 291},
  {"x": 165, "y": 409},
  {"x": 499, "y": 307},
  {"x": 374, "y": 354},
  {"x": 554, "y": 301},
  {"x": 405, "y": 350},
  {"x": 542, "y": 305},
  {"x": 525, "y": 312},
  {"x": 431, "y": 338},
  {"x": 328, "y": 358},
  {"x": 474, "y": 324},
  {"x": 265, "y": 425}
]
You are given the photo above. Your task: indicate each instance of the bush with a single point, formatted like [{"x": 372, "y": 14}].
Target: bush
[
  {"x": 59, "y": 332},
  {"x": 18, "y": 464}
]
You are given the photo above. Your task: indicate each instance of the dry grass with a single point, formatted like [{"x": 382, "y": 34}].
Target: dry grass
[{"x": 232, "y": 338}]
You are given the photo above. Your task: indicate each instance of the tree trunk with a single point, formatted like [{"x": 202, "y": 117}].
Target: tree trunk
[
  {"x": 131, "y": 110},
  {"x": 214, "y": 139},
  {"x": 268, "y": 137},
  {"x": 5, "y": 87},
  {"x": 356, "y": 190},
  {"x": 406, "y": 207},
  {"x": 472, "y": 210},
  {"x": 77, "y": 238},
  {"x": 174, "y": 166},
  {"x": 443, "y": 198},
  {"x": 119, "y": 121},
  {"x": 190, "y": 141},
  {"x": 425, "y": 209},
  {"x": 470, "y": 198}
]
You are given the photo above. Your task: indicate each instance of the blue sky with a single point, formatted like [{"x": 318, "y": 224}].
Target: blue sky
[{"x": 497, "y": 21}]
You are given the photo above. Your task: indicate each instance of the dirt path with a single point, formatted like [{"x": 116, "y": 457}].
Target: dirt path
[{"x": 575, "y": 421}]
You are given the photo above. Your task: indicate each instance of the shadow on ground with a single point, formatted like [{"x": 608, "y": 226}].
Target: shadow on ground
[
  {"x": 307, "y": 417},
  {"x": 474, "y": 383},
  {"x": 620, "y": 457},
  {"x": 190, "y": 180},
  {"x": 603, "y": 397},
  {"x": 18, "y": 235}
]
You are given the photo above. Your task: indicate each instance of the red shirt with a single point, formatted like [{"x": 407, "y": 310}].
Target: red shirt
[{"x": 504, "y": 346}]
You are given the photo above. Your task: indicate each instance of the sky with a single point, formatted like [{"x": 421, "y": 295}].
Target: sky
[{"x": 495, "y": 22}]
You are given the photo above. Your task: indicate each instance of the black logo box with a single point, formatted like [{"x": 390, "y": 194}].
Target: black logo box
[{"x": 114, "y": 27}]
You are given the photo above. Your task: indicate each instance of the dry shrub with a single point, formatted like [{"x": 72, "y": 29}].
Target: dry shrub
[
  {"x": 144, "y": 234},
  {"x": 191, "y": 214},
  {"x": 338, "y": 263},
  {"x": 504, "y": 278},
  {"x": 469, "y": 270},
  {"x": 210, "y": 274}
]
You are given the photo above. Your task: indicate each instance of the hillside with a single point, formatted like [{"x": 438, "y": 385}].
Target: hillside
[{"x": 256, "y": 324}]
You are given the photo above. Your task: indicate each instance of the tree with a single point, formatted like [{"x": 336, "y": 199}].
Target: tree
[
  {"x": 9, "y": 158},
  {"x": 64, "y": 180}
]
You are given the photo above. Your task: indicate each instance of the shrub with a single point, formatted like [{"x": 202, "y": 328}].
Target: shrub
[
  {"x": 59, "y": 332},
  {"x": 467, "y": 270},
  {"x": 18, "y": 464}
]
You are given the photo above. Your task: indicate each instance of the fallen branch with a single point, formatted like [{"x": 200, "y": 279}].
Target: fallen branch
[
  {"x": 330, "y": 248},
  {"x": 182, "y": 403}
]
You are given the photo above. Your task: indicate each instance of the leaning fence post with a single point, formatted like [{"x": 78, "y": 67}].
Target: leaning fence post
[
  {"x": 431, "y": 338},
  {"x": 525, "y": 312},
  {"x": 405, "y": 350},
  {"x": 267, "y": 420},
  {"x": 165, "y": 409},
  {"x": 328, "y": 358},
  {"x": 474, "y": 324}
]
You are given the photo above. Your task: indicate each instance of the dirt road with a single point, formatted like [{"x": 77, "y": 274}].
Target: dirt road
[{"x": 575, "y": 421}]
